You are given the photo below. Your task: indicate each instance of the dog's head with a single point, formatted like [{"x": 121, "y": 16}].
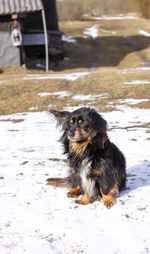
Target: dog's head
[{"x": 81, "y": 124}]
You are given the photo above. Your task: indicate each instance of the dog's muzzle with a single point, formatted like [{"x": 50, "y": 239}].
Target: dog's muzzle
[{"x": 76, "y": 136}]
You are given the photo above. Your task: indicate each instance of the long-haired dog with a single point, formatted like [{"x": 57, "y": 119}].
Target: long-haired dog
[{"x": 98, "y": 167}]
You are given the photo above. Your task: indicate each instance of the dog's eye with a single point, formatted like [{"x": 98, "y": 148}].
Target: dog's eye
[
  {"x": 71, "y": 121},
  {"x": 80, "y": 121}
]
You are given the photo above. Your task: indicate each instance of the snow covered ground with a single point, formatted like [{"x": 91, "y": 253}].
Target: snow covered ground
[{"x": 35, "y": 218}]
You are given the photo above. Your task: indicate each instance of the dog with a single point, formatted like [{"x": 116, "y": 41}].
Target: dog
[{"x": 98, "y": 167}]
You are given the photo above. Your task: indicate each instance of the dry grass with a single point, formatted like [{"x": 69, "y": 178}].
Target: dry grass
[
  {"x": 23, "y": 95},
  {"x": 142, "y": 6},
  {"x": 110, "y": 51},
  {"x": 75, "y": 10}
]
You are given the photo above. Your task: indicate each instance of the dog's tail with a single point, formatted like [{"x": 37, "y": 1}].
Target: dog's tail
[{"x": 60, "y": 182}]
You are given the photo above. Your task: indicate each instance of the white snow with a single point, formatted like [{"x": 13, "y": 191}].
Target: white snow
[
  {"x": 140, "y": 68},
  {"x": 137, "y": 82},
  {"x": 132, "y": 101},
  {"x": 60, "y": 94},
  {"x": 92, "y": 31},
  {"x": 89, "y": 97},
  {"x": 107, "y": 31},
  {"x": 68, "y": 76},
  {"x": 69, "y": 39},
  {"x": 144, "y": 33},
  {"x": 121, "y": 17},
  {"x": 35, "y": 218},
  {"x": 3, "y": 81}
]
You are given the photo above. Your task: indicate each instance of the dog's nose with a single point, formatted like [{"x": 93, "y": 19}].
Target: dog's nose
[{"x": 71, "y": 133}]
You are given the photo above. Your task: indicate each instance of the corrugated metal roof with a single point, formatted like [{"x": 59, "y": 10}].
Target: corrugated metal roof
[{"x": 19, "y": 6}]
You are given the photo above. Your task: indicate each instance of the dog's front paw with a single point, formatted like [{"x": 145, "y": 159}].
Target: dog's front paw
[
  {"x": 73, "y": 193},
  {"x": 84, "y": 200},
  {"x": 109, "y": 202}
]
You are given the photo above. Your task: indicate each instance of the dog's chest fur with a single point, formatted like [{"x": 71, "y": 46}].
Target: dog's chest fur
[
  {"x": 88, "y": 184},
  {"x": 82, "y": 165}
]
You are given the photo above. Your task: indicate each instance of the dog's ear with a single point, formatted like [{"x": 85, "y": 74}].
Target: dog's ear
[
  {"x": 102, "y": 130},
  {"x": 61, "y": 116},
  {"x": 102, "y": 126},
  {"x": 98, "y": 123}
]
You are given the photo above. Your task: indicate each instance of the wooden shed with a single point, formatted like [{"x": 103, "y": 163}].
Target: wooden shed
[{"x": 28, "y": 28}]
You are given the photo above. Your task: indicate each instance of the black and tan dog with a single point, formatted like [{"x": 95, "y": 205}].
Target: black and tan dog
[{"x": 98, "y": 167}]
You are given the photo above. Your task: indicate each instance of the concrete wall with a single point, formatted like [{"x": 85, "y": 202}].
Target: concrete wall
[{"x": 9, "y": 55}]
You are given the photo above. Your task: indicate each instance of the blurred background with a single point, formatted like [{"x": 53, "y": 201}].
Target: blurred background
[{"x": 75, "y": 10}]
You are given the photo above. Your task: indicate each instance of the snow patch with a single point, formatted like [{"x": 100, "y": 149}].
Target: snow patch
[
  {"x": 69, "y": 39},
  {"x": 121, "y": 17},
  {"x": 69, "y": 76},
  {"x": 133, "y": 101},
  {"x": 92, "y": 31},
  {"x": 60, "y": 94},
  {"x": 137, "y": 82},
  {"x": 107, "y": 31},
  {"x": 144, "y": 33},
  {"x": 90, "y": 97},
  {"x": 141, "y": 68}
]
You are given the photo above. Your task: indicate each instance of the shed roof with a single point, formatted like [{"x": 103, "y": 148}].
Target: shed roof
[{"x": 8, "y": 7}]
